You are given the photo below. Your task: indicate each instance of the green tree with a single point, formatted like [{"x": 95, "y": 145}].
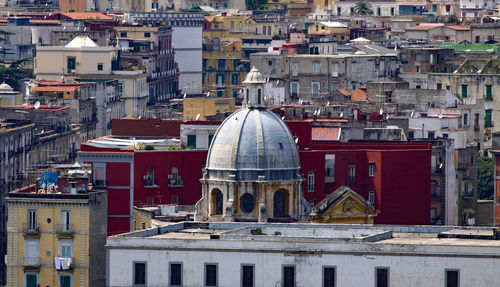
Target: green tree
[
  {"x": 485, "y": 174},
  {"x": 363, "y": 8},
  {"x": 256, "y": 4}
]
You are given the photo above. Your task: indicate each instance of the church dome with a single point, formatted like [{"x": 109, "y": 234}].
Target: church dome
[
  {"x": 5, "y": 87},
  {"x": 253, "y": 144}
]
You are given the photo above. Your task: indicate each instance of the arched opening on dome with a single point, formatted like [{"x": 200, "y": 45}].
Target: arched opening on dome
[
  {"x": 217, "y": 202},
  {"x": 280, "y": 203},
  {"x": 248, "y": 96},
  {"x": 259, "y": 96},
  {"x": 247, "y": 202}
]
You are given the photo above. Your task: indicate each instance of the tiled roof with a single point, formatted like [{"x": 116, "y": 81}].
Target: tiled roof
[
  {"x": 325, "y": 133},
  {"x": 56, "y": 89},
  {"x": 458, "y": 28},
  {"x": 358, "y": 95},
  {"x": 87, "y": 15}
]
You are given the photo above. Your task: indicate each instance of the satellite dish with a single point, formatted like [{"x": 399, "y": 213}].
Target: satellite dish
[
  {"x": 296, "y": 140},
  {"x": 277, "y": 82},
  {"x": 341, "y": 114},
  {"x": 283, "y": 118},
  {"x": 411, "y": 115},
  {"x": 381, "y": 111},
  {"x": 50, "y": 105},
  {"x": 440, "y": 165},
  {"x": 319, "y": 112},
  {"x": 267, "y": 80},
  {"x": 184, "y": 95},
  {"x": 37, "y": 105},
  {"x": 440, "y": 116},
  {"x": 328, "y": 103},
  {"x": 140, "y": 117},
  {"x": 197, "y": 116},
  {"x": 208, "y": 94}
]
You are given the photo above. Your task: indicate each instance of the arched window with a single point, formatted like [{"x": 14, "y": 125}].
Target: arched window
[
  {"x": 280, "y": 203},
  {"x": 217, "y": 202},
  {"x": 247, "y": 202},
  {"x": 248, "y": 97},
  {"x": 258, "y": 96}
]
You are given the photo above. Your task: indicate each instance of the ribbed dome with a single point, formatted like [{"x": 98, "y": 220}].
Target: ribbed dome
[
  {"x": 5, "y": 87},
  {"x": 252, "y": 143}
]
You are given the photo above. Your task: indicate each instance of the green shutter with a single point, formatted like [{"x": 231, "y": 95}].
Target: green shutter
[
  {"x": 487, "y": 118},
  {"x": 191, "y": 141},
  {"x": 64, "y": 280},
  {"x": 439, "y": 86},
  {"x": 488, "y": 92},
  {"x": 464, "y": 91},
  {"x": 31, "y": 280}
]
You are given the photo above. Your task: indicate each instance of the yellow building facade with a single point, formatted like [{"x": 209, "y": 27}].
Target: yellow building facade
[
  {"x": 329, "y": 29},
  {"x": 56, "y": 239},
  {"x": 192, "y": 107}
]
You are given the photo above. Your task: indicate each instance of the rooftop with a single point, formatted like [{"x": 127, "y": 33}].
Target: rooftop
[{"x": 315, "y": 233}]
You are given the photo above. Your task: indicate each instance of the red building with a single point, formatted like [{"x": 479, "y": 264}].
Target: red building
[
  {"x": 496, "y": 193},
  {"x": 394, "y": 176}
]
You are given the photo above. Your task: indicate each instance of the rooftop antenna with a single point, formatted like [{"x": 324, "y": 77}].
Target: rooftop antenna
[{"x": 36, "y": 105}]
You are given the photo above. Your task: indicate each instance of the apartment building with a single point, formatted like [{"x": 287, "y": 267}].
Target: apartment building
[{"x": 56, "y": 237}]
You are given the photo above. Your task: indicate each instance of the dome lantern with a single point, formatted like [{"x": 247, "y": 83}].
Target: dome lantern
[{"x": 254, "y": 90}]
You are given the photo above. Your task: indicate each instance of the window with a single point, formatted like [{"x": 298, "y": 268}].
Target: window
[
  {"x": 66, "y": 220},
  {"x": 31, "y": 252},
  {"x": 439, "y": 86},
  {"x": 371, "y": 169},
  {"x": 326, "y": 2},
  {"x": 220, "y": 80},
  {"x": 288, "y": 276},
  {"x": 65, "y": 280},
  {"x": 371, "y": 196},
  {"x": 352, "y": 173},
  {"x": 295, "y": 69},
  {"x": 32, "y": 220},
  {"x": 315, "y": 89},
  {"x": 234, "y": 79},
  {"x": 147, "y": 34},
  {"x": 139, "y": 274},
  {"x": 329, "y": 168},
  {"x": 294, "y": 89},
  {"x": 250, "y": 27},
  {"x": 221, "y": 64},
  {"x": 445, "y": 135},
  {"x": 316, "y": 68},
  {"x": 269, "y": 30},
  {"x": 263, "y": 30},
  {"x": 66, "y": 248},
  {"x": 381, "y": 277},
  {"x": 99, "y": 174},
  {"x": 335, "y": 70},
  {"x": 487, "y": 118},
  {"x": 210, "y": 274},
  {"x": 99, "y": 66},
  {"x": 71, "y": 64},
  {"x": 191, "y": 141},
  {"x": 465, "y": 119},
  {"x": 175, "y": 274},
  {"x": 452, "y": 278},
  {"x": 448, "y": 88},
  {"x": 411, "y": 134},
  {"x": 488, "y": 92},
  {"x": 247, "y": 275},
  {"x": 31, "y": 279},
  {"x": 123, "y": 34},
  {"x": 464, "y": 91},
  {"x": 328, "y": 276},
  {"x": 310, "y": 181},
  {"x": 247, "y": 203},
  {"x": 431, "y": 135},
  {"x": 150, "y": 176}
]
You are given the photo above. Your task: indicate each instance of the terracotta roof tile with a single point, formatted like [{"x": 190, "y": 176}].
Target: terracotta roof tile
[
  {"x": 87, "y": 15},
  {"x": 325, "y": 134}
]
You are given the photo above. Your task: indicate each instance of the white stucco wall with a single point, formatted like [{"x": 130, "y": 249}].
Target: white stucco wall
[
  {"x": 188, "y": 55},
  {"x": 410, "y": 265}
]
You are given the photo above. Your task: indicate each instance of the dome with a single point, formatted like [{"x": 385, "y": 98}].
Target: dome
[
  {"x": 252, "y": 143},
  {"x": 5, "y": 87},
  {"x": 254, "y": 77}
]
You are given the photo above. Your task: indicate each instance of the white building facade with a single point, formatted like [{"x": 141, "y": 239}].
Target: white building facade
[{"x": 244, "y": 254}]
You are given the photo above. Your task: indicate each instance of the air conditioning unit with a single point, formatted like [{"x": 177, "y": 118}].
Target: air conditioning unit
[
  {"x": 146, "y": 177},
  {"x": 170, "y": 176},
  {"x": 73, "y": 71}
]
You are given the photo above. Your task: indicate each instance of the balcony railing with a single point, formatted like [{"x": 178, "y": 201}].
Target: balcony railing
[
  {"x": 65, "y": 229},
  {"x": 31, "y": 228},
  {"x": 31, "y": 261}
]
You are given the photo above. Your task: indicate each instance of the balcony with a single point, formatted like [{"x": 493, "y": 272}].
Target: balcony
[
  {"x": 175, "y": 181},
  {"x": 65, "y": 231},
  {"x": 31, "y": 262},
  {"x": 31, "y": 229}
]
